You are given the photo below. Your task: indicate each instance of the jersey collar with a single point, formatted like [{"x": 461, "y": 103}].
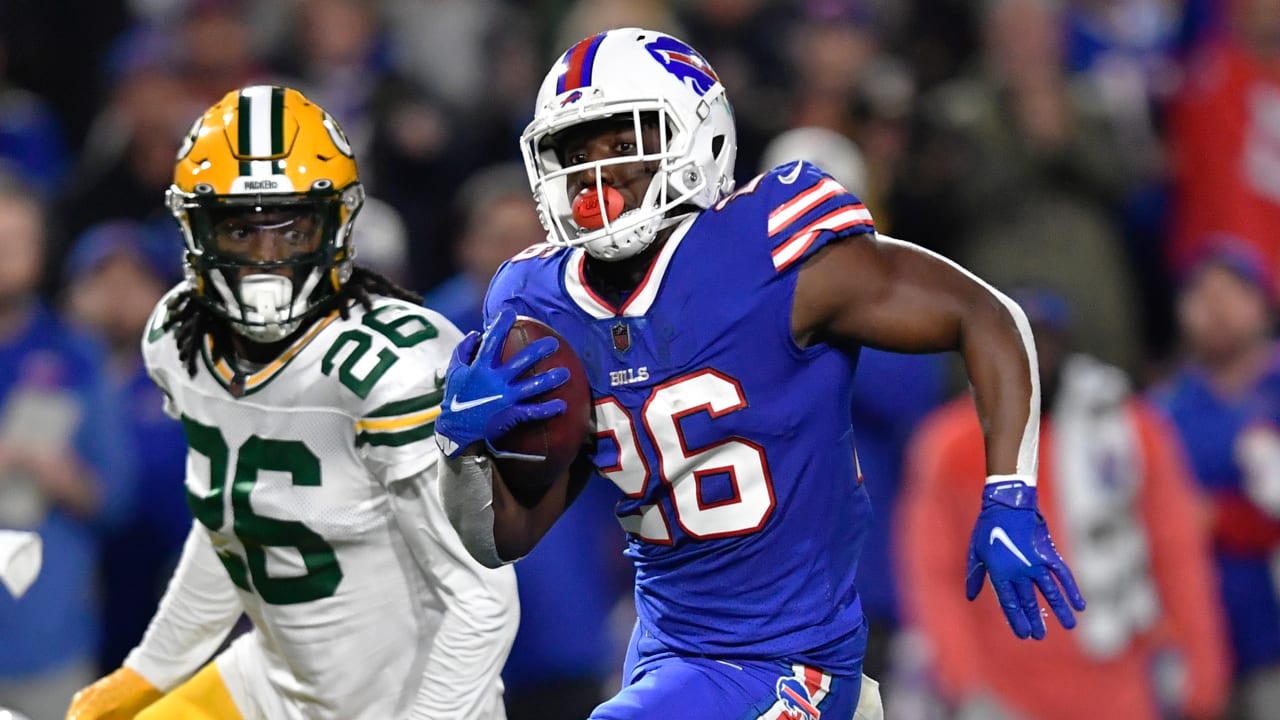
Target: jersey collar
[
  {"x": 640, "y": 300},
  {"x": 255, "y": 381}
]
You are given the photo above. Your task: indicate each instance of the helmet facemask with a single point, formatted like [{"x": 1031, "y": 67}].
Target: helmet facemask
[
  {"x": 266, "y": 263},
  {"x": 676, "y": 182}
]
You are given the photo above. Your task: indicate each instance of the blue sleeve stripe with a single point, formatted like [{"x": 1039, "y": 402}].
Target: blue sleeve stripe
[
  {"x": 793, "y": 209},
  {"x": 836, "y": 221}
]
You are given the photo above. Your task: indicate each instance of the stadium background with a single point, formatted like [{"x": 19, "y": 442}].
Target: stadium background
[{"x": 1088, "y": 151}]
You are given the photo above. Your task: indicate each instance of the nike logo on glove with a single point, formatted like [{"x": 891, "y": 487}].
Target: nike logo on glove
[
  {"x": 998, "y": 533},
  {"x": 456, "y": 406}
]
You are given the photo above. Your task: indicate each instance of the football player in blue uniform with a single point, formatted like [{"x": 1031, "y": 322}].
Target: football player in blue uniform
[{"x": 720, "y": 330}]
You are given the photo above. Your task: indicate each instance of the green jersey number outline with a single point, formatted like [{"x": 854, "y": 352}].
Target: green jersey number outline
[
  {"x": 405, "y": 331},
  {"x": 257, "y": 532}
]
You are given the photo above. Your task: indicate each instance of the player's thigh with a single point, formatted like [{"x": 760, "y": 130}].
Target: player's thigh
[
  {"x": 203, "y": 697},
  {"x": 713, "y": 690}
]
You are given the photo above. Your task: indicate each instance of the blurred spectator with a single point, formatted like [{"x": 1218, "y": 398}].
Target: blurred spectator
[
  {"x": 30, "y": 135},
  {"x": 383, "y": 241},
  {"x": 1127, "y": 50},
  {"x": 414, "y": 149},
  {"x": 63, "y": 473},
  {"x": 1225, "y": 402},
  {"x": 479, "y": 59},
  {"x": 499, "y": 220},
  {"x": 1020, "y": 175},
  {"x": 1224, "y": 133},
  {"x": 214, "y": 51},
  {"x": 116, "y": 273},
  {"x": 54, "y": 48},
  {"x": 584, "y": 18},
  {"x": 745, "y": 41},
  {"x": 834, "y": 153},
  {"x": 128, "y": 160},
  {"x": 885, "y": 99},
  {"x": 830, "y": 49},
  {"x": 1115, "y": 486},
  {"x": 459, "y": 49}
]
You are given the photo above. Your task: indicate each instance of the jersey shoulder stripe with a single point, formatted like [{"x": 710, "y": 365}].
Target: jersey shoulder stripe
[{"x": 805, "y": 205}]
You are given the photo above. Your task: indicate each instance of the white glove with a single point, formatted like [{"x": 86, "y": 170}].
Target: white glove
[{"x": 21, "y": 554}]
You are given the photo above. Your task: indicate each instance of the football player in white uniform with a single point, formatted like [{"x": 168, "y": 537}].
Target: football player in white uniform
[{"x": 308, "y": 388}]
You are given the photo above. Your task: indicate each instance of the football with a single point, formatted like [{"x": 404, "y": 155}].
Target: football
[{"x": 559, "y": 438}]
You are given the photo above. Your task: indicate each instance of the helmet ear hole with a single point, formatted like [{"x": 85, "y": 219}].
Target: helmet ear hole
[{"x": 717, "y": 144}]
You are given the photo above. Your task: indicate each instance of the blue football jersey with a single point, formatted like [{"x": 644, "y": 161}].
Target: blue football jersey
[{"x": 732, "y": 445}]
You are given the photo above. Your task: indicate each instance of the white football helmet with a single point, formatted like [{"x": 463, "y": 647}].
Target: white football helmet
[{"x": 632, "y": 72}]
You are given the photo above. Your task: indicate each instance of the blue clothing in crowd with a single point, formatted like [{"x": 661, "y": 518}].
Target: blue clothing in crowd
[
  {"x": 31, "y": 140},
  {"x": 1209, "y": 425},
  {"x": 57, "y": 622},
  {"x": 139, "y": 556}
]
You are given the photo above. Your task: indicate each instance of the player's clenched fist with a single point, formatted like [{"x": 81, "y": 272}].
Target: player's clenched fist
[{"x": 118, "y": 696}]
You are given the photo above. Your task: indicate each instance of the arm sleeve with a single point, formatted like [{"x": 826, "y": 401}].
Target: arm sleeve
[
  {"x": 1183, "y": 568},
  {"x": 196, "y": 613},
  {"x": 944, "y": 468},
  {"x": 462, "y": 674}
]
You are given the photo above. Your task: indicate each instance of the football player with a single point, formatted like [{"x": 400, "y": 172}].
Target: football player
[
  {"x": 308, "y": 388},
  {"x": 719, "y": 330}
]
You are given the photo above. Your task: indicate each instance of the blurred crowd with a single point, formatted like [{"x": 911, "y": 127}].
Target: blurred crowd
[{"x": 1114, "y": 164}]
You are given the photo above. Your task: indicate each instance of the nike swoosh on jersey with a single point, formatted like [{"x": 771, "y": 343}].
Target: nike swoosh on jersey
[
  {"x": 998, "y": 533},
  {"x": 456, "y": 406},
  {"x": 791, "y": 176}
]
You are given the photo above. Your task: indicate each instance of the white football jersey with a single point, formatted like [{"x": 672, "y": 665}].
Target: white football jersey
[{"x": 288, "y": 470}]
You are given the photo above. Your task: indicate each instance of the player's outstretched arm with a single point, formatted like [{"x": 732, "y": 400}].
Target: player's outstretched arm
[
  {"x": 881, "y": 292},
  {"x": 484, "y": 399},
  {"x": 198, "y": 610}
]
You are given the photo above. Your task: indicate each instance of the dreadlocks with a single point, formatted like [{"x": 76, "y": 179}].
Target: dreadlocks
[{"x": 192, "y": 320}]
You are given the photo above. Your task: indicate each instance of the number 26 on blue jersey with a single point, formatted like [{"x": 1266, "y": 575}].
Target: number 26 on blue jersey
[{"x": 682, "y": 468}]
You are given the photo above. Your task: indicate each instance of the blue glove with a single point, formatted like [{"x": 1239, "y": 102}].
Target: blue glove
[
  {"x": 1011, "y": 542},
  {"x": 485, "y": 398}
]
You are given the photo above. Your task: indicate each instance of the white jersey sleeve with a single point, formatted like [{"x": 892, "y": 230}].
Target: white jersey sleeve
[
  {"x": 197, "y": 612},
  {"x": 462, "y": 675},
  {"x": 395, "y": 433}
]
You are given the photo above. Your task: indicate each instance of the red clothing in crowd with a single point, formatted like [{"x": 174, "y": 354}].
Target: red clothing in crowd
[
  {"x": 1224, "y": 136},
  {"x": 973, "y": 647}
]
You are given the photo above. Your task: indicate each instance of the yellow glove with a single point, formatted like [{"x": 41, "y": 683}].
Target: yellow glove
[{"x": 118, "y": 696}]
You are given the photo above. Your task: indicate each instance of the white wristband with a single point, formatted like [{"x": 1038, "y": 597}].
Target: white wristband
[{"x": 1028, "y": 480}]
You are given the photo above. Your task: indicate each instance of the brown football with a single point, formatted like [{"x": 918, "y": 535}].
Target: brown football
[{"x": 559, "y": 438}]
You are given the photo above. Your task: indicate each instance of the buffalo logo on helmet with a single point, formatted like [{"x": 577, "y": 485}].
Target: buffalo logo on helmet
[{"x": 683, "y": 62}]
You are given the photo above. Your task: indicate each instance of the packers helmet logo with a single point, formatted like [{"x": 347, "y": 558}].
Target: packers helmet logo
[
  {"x": 189, "y": 141},
  {"x": 338, "y": 137}
]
